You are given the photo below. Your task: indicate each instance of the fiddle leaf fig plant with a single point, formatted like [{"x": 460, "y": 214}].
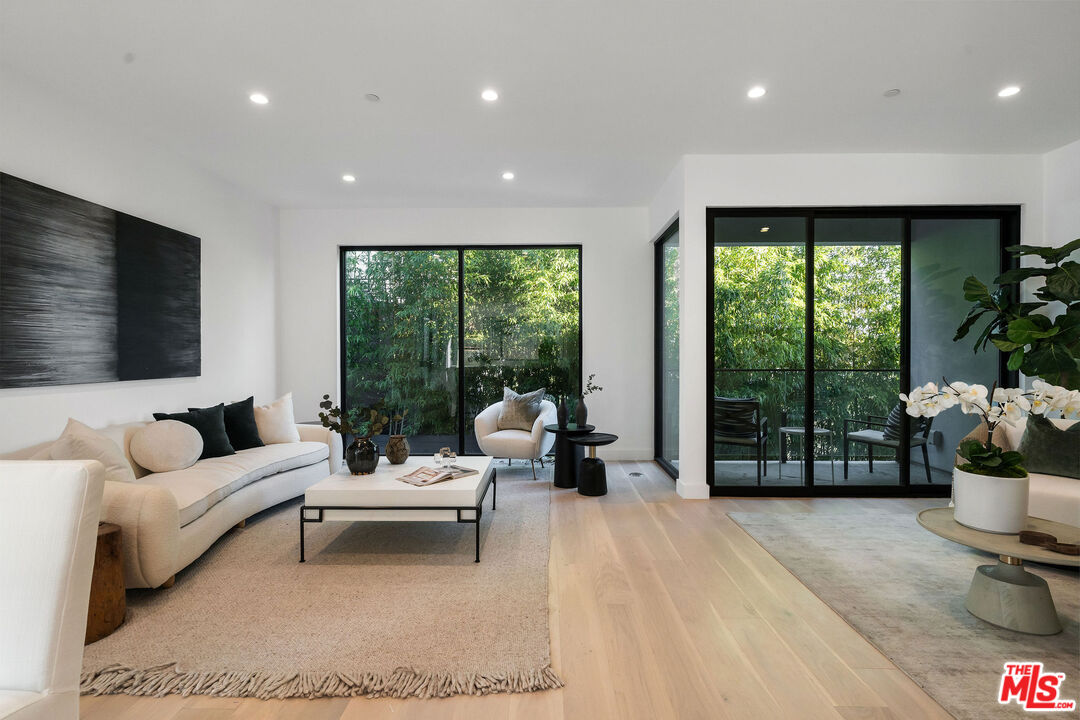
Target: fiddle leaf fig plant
[{"x": 1038, "y": 345}]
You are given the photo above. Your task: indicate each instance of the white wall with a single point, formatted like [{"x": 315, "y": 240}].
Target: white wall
[
  {"x": 1061, "y": 189},
  {"x": 616, "y": 296},
  {"x": 53, "y": 143},
  {"x": 818, "y": 180}
]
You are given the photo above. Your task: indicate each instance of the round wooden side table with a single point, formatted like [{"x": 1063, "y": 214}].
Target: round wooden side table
[{"x": 108, "y": 604}]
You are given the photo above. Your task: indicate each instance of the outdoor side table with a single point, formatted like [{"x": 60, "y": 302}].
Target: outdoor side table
[
  {"x": 800, "y": 431},
  {"x": 592, "y": 475},
  {"x": 567, "y": 454}
]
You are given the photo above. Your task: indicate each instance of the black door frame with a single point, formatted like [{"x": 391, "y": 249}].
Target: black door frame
[
  {"x": 658, "y": 342},
  {"x": 460, "y": 250},
  {"x": 1008, "y": 216}
]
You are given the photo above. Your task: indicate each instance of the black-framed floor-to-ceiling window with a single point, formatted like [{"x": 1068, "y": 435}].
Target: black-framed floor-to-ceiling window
[
  {"x": 440, "y": 330},
  {"x": 817, "y": 319},
  {"x": 666, "y": 358}
]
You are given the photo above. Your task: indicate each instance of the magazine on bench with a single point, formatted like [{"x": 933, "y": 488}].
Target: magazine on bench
[{"x": 424, "y": 476}]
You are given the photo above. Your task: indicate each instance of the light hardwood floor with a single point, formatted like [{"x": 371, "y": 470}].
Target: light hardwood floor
[{"x": 660, "y": 608}]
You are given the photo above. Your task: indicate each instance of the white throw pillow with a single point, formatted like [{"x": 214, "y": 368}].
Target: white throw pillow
[
  {"x": 166, "y": 445},
  {"x": 79, "y": 442},
  {"x": 275, "y": 421}
]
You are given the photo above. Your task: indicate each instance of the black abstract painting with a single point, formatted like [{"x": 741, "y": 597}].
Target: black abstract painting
[{"x": 88, "y": 294}]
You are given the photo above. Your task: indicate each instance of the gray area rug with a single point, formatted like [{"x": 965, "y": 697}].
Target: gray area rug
[
  {"x": 379, "y": 609},
  {"x": 903, "y": 589}
]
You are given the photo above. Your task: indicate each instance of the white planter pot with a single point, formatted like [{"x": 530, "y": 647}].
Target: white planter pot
[{"x": 991, "y": 504}]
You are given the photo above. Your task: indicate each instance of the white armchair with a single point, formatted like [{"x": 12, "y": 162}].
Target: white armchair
[
  {"x": 47, "y": 544},
  {"x": 531, "y": 445}
]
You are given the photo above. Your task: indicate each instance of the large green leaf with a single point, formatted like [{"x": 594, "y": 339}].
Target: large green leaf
[
  {"x": 1049, "y": 254},
  {"x": 1064, "y": 282},
  {"x": 1025, "y": 331},
  {"x": 976, "y": 291},
  {"x": 970, "y": 320},
  {"x": 1019, "y": 274},
  {"x": 1016, "y": 359}
]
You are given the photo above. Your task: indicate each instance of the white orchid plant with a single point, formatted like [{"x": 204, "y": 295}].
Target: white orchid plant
[{"x": 994, "y": 406}]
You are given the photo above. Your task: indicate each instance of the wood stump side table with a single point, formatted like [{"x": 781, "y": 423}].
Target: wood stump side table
[{"x": 108, "y": 604}]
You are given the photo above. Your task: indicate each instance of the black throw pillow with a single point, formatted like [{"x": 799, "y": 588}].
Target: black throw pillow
[
  {"x": 240, "y": 424},
  {"x": 210, "y": 422}
]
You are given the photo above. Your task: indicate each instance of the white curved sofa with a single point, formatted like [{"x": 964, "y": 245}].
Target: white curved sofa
[
  {"x": 169, "y": 519},
  {"x": 515, "y": 444}
]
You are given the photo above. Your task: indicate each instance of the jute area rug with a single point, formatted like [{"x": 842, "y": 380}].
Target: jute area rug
[
  {"x": 903, "y": 589},
  {"x": 379, "y": 609}
]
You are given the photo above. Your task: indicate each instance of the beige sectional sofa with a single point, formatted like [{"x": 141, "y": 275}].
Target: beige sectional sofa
[{"x": 169, "y": 519}]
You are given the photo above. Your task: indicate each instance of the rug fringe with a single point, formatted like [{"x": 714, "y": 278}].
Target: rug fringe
[{"x": 403, "y": 682}]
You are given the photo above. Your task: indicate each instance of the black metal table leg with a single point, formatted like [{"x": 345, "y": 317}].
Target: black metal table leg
[
  {"x": 493, "y": 489},
  {"x": 477, "y": 538},
  {"x": 301, "y": 533}
]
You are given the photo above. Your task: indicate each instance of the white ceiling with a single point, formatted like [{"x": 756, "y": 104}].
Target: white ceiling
[{"x": 598, "y": 97}]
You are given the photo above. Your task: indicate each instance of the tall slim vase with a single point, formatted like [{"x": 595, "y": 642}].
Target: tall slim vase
[{"x": 582, "y": 414}]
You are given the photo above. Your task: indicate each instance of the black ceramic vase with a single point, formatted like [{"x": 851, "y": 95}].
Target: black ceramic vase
[
  {"x": 362, "y": 456},
  {"x": 582, "y": 414},
  {"x": 563, "y": 413}
]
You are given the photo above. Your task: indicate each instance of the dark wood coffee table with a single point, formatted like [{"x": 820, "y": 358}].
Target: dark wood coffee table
[{"x": 567, "y": 454}]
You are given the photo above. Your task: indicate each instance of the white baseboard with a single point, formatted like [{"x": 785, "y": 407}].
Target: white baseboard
[{"x": 692, "y": 491}]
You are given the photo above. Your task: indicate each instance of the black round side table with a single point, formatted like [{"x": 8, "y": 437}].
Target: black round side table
[
  {"x": 567, "y": 455},
  {"x": 592, "y": 476}
]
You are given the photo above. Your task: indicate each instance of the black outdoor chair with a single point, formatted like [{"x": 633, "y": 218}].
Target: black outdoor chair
[
  {"x": 738, "y": 421},
  {"x": 888, "y": 435}
]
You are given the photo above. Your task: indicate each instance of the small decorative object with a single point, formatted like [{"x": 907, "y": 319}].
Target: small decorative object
[
  {"x": 397, "y": 449},
  {"x": 361, "y": 455},
  {"x": 445, "y": 457},
  {"x": 990, "y": 490},
  {"x": 563, "y": 413},
  {"x": 582, "y": 413}
]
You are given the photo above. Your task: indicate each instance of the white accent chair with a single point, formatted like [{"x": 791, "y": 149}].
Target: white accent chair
[
  {"x": 47, "y": 544},
  {"x": 531, "y": 445}
]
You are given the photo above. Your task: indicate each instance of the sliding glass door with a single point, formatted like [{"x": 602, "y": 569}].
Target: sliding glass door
[
  {"x": 818, "y": 319},
  {"x": 439, "y": 331},
  {"x": 666, "y": 298}
]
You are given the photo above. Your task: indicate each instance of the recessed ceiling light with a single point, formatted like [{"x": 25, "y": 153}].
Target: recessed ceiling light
[
  {"x": 490, "y": 95},
  {"x": 258, "y": 98},
  {"x": 348, "y": 178},
  {"x": 508, "y": 175},
  {"x": 1008, "y": 91},
  {"x": 891, "y": 93},
  {"x": 765, "y": 229},
  {"x": 755, "y": 92}
]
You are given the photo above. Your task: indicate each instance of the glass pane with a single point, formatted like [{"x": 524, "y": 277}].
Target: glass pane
[
  {"x": 669, "y": 350},
  {"x": 401, "y": 327},
  {"x": 522, "y": 317},
  {"x": 857, "y": 319},
  {"x": 943, "y": 254},
  {"x": 759, "y": 341}
]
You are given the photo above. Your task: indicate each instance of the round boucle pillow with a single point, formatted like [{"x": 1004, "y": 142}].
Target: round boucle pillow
[{"x": 166, "y": 445}]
